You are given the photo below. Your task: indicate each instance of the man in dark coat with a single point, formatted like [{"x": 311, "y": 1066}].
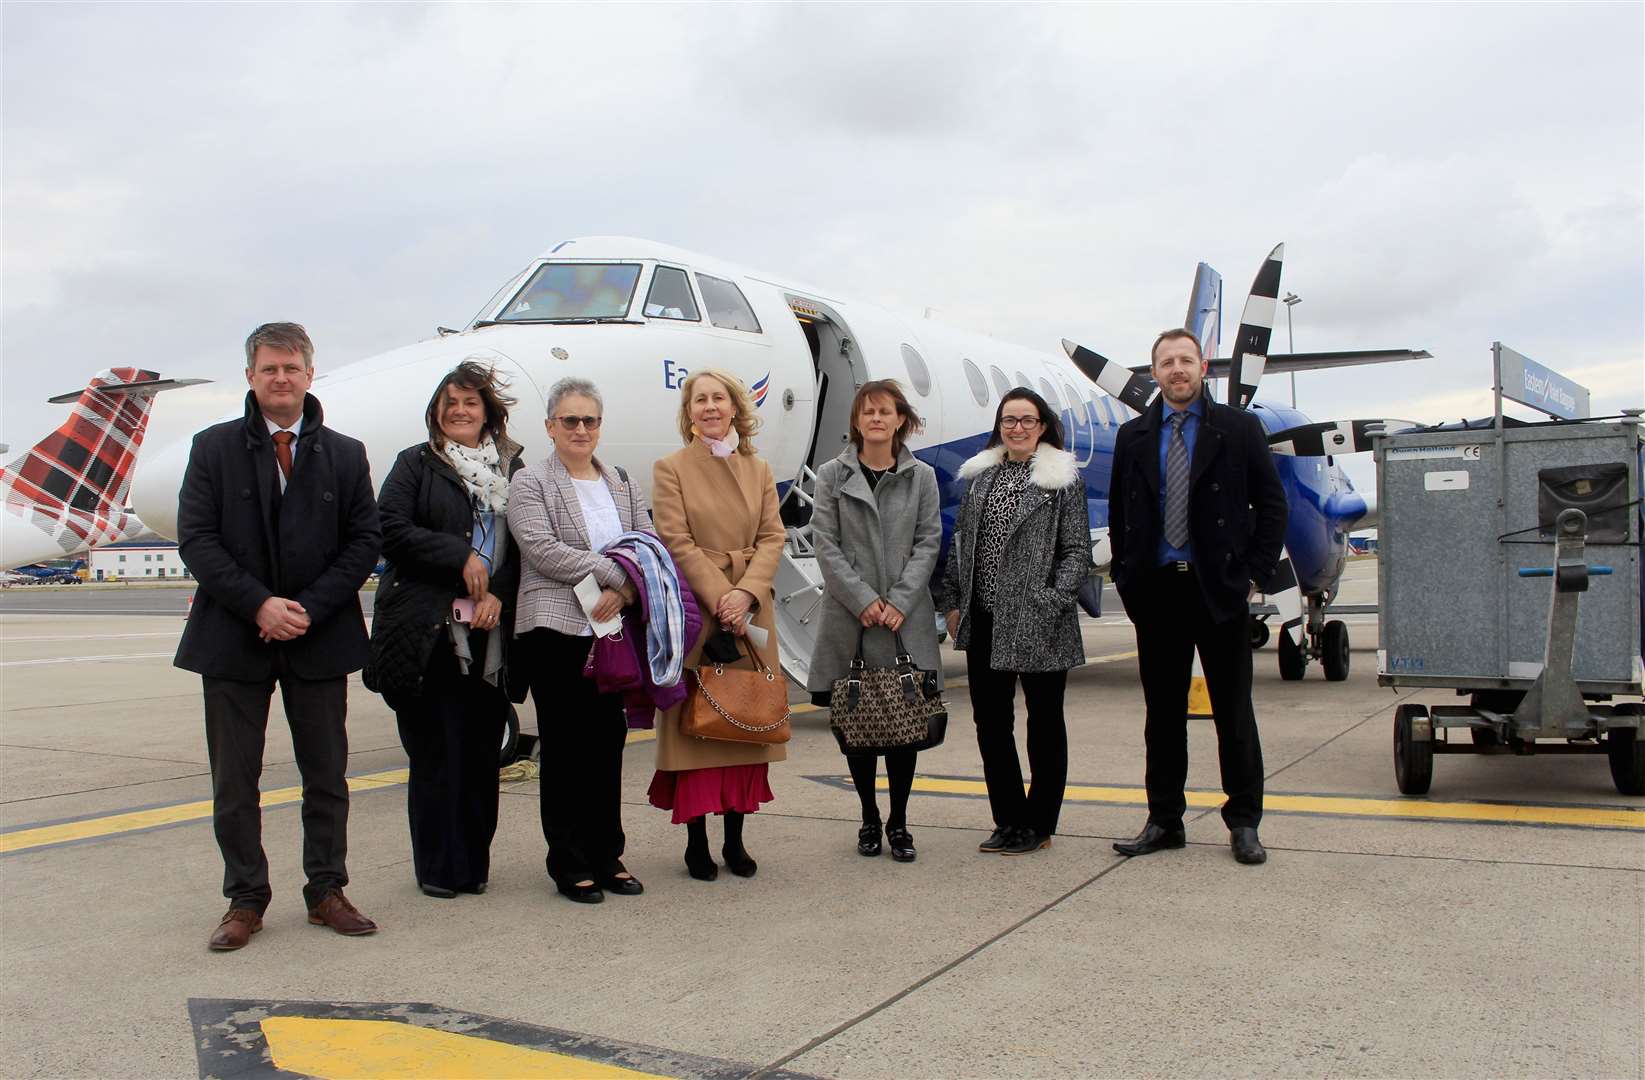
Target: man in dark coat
[
  {"x": 1196, "y": 513},
  {"x": 277, "y": 523}
]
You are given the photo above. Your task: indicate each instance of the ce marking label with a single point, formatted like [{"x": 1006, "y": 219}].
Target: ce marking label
[{"x": 1471, "y": 453}]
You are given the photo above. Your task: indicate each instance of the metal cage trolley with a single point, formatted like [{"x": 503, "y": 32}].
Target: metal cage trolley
[{"x": 1510, "y": 571}]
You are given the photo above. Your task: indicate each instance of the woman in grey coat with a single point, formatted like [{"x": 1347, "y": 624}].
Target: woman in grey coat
[
  {"x": 877, "y": 530},
  {"x": 1022, "y": 545}
]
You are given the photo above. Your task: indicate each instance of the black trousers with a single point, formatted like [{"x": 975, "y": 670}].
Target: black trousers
[
  {"x": 1172, "y": 621},
  {"x": 451, "y": 733},
  {"x": 992, "y": 696},
  {"x": 583, "y": 734},
  {"x": 236, "y": 726}
]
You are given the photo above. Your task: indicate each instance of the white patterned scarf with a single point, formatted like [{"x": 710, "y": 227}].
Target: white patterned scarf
[{"x": 480, "y": 472}]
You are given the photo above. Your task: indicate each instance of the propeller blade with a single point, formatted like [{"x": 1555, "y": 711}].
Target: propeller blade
[
  {"x": 1331, "y": 437},
  {"x": 1131, "y": 389},
  {"x": 1286, "y": 596},
  {"x": 1256, "y": 329}
]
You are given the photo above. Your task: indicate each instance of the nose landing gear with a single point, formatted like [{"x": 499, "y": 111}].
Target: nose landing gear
[{"x": 1323, "y": 640}]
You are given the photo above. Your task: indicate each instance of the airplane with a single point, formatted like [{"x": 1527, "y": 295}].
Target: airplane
[
  {"x": 636, "y": 316},
  {"x": 68, "y": 492}
]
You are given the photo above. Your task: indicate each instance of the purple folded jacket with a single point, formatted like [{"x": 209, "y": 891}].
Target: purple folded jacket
[{"x": 642, "y": 703}]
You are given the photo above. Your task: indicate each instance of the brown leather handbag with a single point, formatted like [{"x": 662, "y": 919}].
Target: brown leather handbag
[{"x": 735, "y": 704}]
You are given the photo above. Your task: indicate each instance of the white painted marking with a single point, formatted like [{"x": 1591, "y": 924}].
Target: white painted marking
[
  {"x": 6, "y": 639},
  {"x": 84, "y": 659}
]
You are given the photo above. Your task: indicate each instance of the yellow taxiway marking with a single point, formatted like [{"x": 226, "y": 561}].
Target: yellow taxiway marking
[
  {"x": 23, "y": 839},
  {"x": 335, "y": 1049},
  {"x": 1344, "y": 805}
]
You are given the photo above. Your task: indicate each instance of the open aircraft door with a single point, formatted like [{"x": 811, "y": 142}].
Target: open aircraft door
[{"x": 838, "y": 370}]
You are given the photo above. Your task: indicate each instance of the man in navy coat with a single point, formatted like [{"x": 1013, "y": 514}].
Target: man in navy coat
[
  {"x": 1196, "y": 513},
  {"x": 277, "y": 523}
]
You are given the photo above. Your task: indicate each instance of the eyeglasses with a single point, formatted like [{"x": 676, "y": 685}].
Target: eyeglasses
[
  {"x": 1027, "y": 423},
  {"x": 571, "y": 423}
]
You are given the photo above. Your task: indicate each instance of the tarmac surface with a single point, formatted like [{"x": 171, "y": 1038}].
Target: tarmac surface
[{"x": 1493, "y": 928}]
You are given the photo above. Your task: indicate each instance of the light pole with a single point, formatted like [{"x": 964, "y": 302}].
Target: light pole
[{"x": 1291, "y": 300}]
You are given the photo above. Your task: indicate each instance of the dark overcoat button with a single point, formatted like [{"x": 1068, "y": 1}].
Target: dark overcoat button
[
  {"x": 1219, "y": 523},
  {"x": 1215, "y": 486},
  {"x": 1228, "y": 557},
  {"x": 245, "y": 493},
  {"x": 326, "y": 496}
]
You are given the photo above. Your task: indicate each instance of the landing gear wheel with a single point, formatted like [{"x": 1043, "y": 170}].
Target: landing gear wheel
[
  {"x": 1259, "y": 634},
  {"x": 1293, "y": 662},
  {"x": 1413, "y": 757},
  {"x": 1627, "y": 753},
  {"x": 510, "y": 750},
  {"x": 1335, "y": 651}
]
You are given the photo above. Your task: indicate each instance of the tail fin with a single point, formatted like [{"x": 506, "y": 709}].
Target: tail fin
[
  {"x": 1204, "y": 319},
  {"x": 72, "y": 485}
]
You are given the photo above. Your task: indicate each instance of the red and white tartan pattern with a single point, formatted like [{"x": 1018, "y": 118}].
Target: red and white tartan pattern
[{"x": 74, "y": 483}]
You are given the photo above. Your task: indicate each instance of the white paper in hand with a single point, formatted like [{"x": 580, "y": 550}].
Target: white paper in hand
[
  {"x": 756, "y": 634},
  {"x": 588, "y": 594}
]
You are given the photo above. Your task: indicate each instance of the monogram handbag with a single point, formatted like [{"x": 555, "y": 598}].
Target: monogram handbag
[
  {"x": 872, "y": 710},
  {"x": 736, "y": 704}
]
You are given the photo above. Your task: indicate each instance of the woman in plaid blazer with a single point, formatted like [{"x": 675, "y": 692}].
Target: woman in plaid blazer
[{"x": 562, "y": 512}]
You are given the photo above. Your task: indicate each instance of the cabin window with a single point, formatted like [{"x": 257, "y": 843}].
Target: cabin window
[
  {"x": 979, "y": 385},
  {"x": 727, "y": 307},
  {"x": 1001, "y": 383},
  {"x": 570, "y": 292},
  {"x": 1024, "y": 381},
  {"x": 670, "y": 296},
  {"x": 918, "y": 375},
  {"x": 1049, "y": 392}
]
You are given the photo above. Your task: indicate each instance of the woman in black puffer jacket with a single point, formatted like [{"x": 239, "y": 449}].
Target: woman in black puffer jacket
[{"x": 443, "y": 621}]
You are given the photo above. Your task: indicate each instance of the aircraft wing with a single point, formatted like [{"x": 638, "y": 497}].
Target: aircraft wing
[{"x": 1315, "y": 361}]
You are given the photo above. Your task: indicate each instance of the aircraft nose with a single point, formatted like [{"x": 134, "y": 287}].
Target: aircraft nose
[{"x": 154, "y": 485}]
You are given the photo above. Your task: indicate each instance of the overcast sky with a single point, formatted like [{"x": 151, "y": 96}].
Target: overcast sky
[{"x": 1442, "y": 176}]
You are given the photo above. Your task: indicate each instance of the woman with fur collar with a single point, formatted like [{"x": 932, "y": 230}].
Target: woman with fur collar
[{"x": 1021, "y": 548}]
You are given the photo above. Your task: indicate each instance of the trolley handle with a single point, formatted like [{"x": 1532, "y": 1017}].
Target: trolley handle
[{"x": 1548, "y": 571}]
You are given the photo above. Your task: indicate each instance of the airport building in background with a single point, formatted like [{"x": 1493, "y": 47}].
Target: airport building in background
[{"x": 136, "y": 560}]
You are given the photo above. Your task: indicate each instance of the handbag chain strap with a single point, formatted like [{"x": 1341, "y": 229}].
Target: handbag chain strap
[{"x": 734, "y": 722}]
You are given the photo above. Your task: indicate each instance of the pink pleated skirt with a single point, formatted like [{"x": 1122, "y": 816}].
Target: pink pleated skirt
[{"x": 691, "y": 793}]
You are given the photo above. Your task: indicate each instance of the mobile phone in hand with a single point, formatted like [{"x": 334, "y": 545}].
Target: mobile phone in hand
[{"x": 462, "y": 611}]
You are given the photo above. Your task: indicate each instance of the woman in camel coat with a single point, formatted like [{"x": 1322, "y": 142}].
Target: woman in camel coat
[{"x": 715, "y": 507}]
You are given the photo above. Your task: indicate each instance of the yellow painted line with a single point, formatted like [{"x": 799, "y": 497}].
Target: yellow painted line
[
  {"x": 641, "y": 735},
  {"x": 23, "y": 839},
  {"x": 1347, "y": 805},
  {"x": 372, "y": 1049}
]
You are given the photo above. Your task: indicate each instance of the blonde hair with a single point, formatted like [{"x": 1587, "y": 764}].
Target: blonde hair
[{"x": 745, "y": 421}]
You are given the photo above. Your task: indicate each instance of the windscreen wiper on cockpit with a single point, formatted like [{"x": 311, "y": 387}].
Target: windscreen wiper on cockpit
[{"x": 579, "y": 319}]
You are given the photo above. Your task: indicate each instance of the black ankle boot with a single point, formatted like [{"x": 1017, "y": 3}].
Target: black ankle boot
[
  {"x": 868, "y": 838},
  {"x": 737, "y": 859},
  {"x": 697, "y": 860}
]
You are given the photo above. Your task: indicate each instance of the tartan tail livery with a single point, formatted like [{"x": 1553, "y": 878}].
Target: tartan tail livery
[{"x": 68, "y": 492}]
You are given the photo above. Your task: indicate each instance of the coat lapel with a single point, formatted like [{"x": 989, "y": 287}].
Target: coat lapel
[
  {"x": 1206, "y": 447},
  {"x": 729, "y": 476},
  {"x": 568, "y": 497},
  {"x": 856, "y": 487},
  {"x": 1146, "y": 446}
]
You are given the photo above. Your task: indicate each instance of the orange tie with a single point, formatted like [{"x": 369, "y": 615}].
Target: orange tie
[{"x": 282, "y": 451}]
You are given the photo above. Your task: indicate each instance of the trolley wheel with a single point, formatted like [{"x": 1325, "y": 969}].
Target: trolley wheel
[
  {"x": 1413, "y": 759},
  {"x": 1259, "y": 633},
  {"x": 1335, "y": 656},
  {"x": 510, "y": 750},
  {"x": 1293, "y": 662},
  {"x": 1627, "y": 753}
]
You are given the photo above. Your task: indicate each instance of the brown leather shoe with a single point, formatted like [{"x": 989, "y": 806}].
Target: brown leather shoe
[
  {"x": 336, "y": 912},
  {"x": 235, "y": 930}
]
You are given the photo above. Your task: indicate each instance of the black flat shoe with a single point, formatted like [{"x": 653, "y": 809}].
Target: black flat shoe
[
  {"x": 1152, "y": 838},
  {"x": 622, "y": 886},
  {"x": 738, "y": 861},
  {"x": 478, "y": 888},
  {"x": 582, "y": 894},
  {"x": 1026, "y": 842},
  {"x": 439, "y": 892},
  {"x": 996, "y": 842},
  {"x": 902, "y": 844},
  {"x": 868, "y": 838},
  {"x": 1247, "y": 848}
]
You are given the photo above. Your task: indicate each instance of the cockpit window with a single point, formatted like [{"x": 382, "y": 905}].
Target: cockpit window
[
  {"x": 670, "y": 296},
  {"x": 565, "y": 292},
  {"x": 727, "y": 307}
]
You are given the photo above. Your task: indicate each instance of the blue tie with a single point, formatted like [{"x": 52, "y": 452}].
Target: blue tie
[{"x": 1176, "y": 484}]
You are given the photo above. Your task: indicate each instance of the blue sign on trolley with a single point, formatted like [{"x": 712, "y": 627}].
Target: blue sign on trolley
[{"x": 1529, "y": 383}]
